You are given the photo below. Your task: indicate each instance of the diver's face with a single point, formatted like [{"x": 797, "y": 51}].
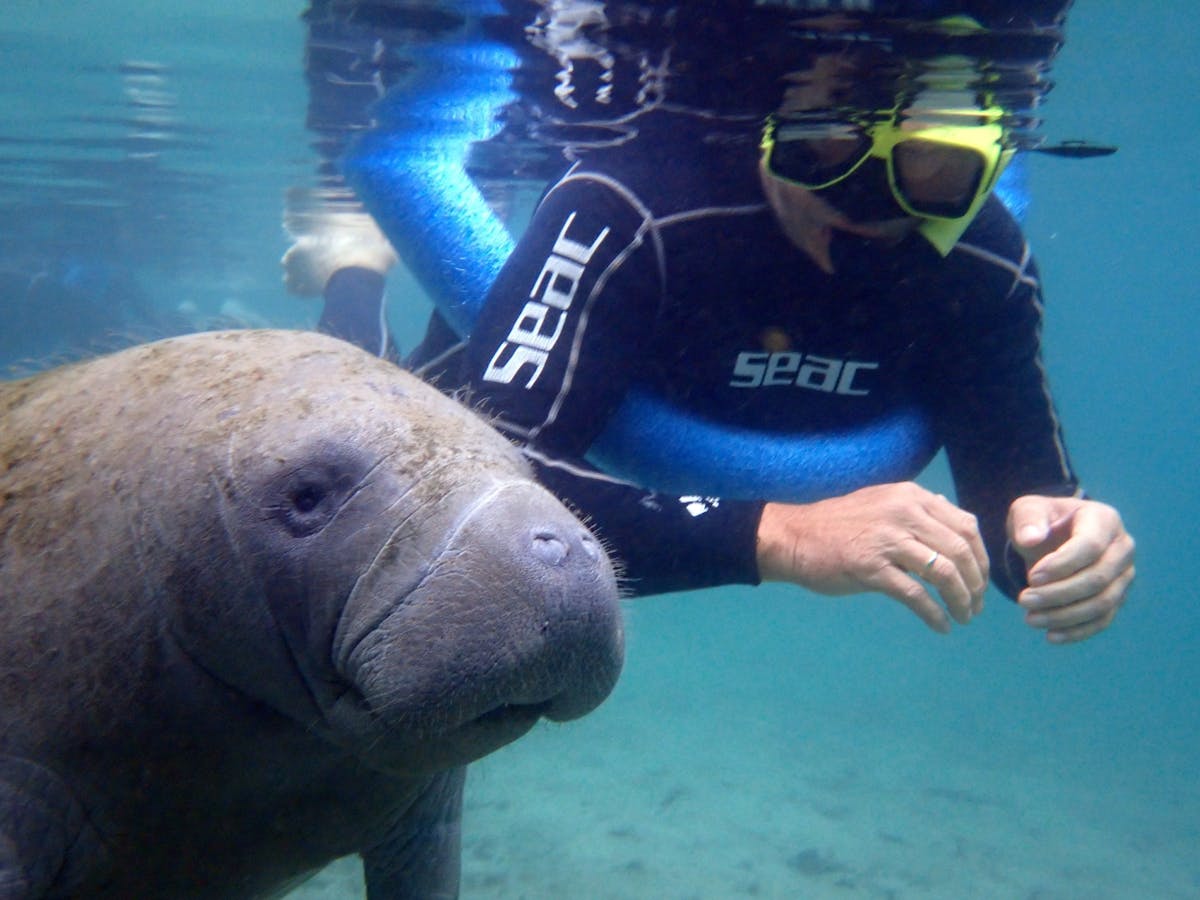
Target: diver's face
[
  {"x": 809, "y": 219},
  {"x": 837, "y": 157}
]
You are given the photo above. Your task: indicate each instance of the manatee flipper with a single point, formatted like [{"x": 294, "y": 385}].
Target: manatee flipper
[
  {"x": 45, "y": 839},
  {"x": 419, "y": 857}
]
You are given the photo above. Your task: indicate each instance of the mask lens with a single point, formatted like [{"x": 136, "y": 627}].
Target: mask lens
[
  {"x": 937, "y": 179},
  {"x": 816, "y": 157}
]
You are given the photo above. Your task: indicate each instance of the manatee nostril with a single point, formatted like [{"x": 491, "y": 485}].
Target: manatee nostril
[
  {"x": 591, "y": 547},
  {"x": 549, "y": 549}
]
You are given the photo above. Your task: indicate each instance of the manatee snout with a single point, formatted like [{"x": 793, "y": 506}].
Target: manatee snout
[
  {"x": 553, "y": 596},
  {"x": 516, "y": 617}
]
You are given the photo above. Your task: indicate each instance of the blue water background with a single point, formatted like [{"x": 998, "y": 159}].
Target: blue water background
[{"x": 738, "y": 705}]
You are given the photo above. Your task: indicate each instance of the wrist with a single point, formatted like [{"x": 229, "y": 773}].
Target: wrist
[{"x": 777, "y": 542}]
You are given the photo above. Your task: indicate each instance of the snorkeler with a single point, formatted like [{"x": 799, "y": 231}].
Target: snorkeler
[{"x": 840, "y": 277}]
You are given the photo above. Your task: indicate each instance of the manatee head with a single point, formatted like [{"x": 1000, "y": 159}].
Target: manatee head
[{"x": 341, "y": 542}]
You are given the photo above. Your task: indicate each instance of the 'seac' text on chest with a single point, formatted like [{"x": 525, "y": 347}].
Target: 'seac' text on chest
[{"x": 792, "y": 369}]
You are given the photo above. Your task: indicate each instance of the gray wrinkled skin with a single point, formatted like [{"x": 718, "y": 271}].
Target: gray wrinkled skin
[{"x": 262, "y": 598}]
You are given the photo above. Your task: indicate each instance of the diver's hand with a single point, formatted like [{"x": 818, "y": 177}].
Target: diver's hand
[
  {"x": 886, "y": 538},
  {"x": 328, "y": 243},
  {"x": 1079, "y": 560}
]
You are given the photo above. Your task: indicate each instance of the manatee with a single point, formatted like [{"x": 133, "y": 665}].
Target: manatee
[{"x": 263, "y": 597}]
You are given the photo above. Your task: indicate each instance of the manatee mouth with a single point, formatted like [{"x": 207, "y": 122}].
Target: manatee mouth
[
  {"x": 499, "y": 726},
  {"x": 506, "y": 715}
]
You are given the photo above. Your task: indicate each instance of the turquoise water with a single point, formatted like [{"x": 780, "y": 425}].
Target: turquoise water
[{"x": 762, "y": 742}]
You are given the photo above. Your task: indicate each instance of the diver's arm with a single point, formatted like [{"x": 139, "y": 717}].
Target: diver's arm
[
  {"x": 1002, "y": 434},
  {"x": 567, "y": 327},
  {"x": 356, "y": 311},
  {"x": 659, "y": 542},
  {"x": 1067, "y": 559},
  {"x": 569, "y": 322}
]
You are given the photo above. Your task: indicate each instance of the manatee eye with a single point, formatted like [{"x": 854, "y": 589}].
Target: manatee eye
[
  {"x": 308, "y": 498},
  {"x": 305, "y": 501}
]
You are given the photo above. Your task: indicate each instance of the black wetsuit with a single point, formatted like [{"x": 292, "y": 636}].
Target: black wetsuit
[
  {"x": 672, "y": 272},
  {"x": 695, "y": 291}
]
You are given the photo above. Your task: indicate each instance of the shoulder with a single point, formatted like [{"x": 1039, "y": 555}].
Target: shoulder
[
  {"x": 667, "y": 171},
  {"x": 586, "y": 185},
  {"x": 994, "y": 250},
  {"x": 995, "y": 229}
]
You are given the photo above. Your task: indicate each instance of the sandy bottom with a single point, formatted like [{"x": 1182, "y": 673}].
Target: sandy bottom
[{"x": 759, "y": 749}]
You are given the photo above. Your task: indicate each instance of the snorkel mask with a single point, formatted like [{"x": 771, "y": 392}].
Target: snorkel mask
[{"x": 941, "y": 164}]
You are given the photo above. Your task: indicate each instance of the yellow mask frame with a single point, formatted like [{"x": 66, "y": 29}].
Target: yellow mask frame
[{"x": 987, "y": 139}]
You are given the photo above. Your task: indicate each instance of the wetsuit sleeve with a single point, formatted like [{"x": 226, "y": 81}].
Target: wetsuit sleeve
[
  {"x": 564, "y": 331},
  {"x": 355, "y": 310},
  {"x": 659, "y": 543},
  {"x": 1002, "y": 434},
  {"x": 566, "y": 327}
]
